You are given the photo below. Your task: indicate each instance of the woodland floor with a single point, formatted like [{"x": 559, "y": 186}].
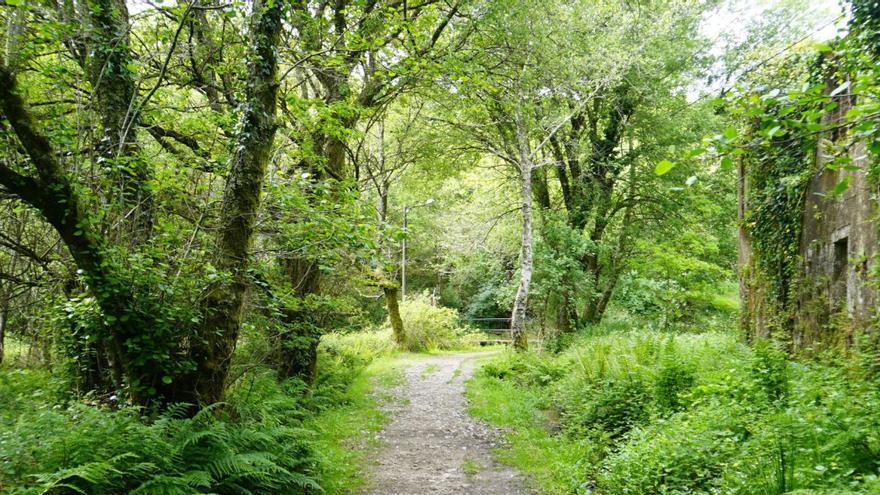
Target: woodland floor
[{"x": 431, "y": 444}]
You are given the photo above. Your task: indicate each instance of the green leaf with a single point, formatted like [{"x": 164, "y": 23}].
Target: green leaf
[
  {"x": 696, "y": 152},
  {"x": 167, "y": 380},
  {"x": 663, "y": 167},
  {"x": 841, "y": 186},
  {"x": 729, "y": 133},
  {"x": 726, "y": 163},
  {"x": 775, "y": 131}
]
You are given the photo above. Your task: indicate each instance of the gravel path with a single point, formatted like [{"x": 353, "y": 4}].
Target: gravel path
[{"x": 431, "y": 444}]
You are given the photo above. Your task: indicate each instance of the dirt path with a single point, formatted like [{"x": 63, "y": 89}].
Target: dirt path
[{"x": 431, "y": 444}]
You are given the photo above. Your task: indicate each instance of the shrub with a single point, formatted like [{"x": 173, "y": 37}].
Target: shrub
[
  {"x": 358, "y": 348},
  {"x": 428, "y": 327},
  {"x": 673, "y": 379},
  {"x": 770, "y": 371},
  {"x": 614, "y": 405},
  {"x": 528, "y": 369},
  {"x": 682, "y": 454}
]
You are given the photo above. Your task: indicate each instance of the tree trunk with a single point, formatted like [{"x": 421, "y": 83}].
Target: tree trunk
[
  {"x": 297, "y": 345},
  {"x": 224, "y": 301},
  {"x": 107, "y": 65},
  {"x": 4, "y": 318},
  {"x": 520, "y": 302},
  {"x": 391, "y": 294}
]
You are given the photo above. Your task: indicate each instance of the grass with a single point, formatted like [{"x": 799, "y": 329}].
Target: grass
[
  {"x": 429, "y": 370},
  {"x": 471, "y": 467},
  {"x": 455, "y": 374},
  {"x": 503, "y": 404},
  {"x": 347, "y": 434}
]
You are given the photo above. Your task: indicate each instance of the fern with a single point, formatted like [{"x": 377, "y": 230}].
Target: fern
[
  {"x": 93, "y": 473},
  {"x": 256, "y": 447},
  {"x": 117, "y": 452},
  {"x": 184, "y": 484}
]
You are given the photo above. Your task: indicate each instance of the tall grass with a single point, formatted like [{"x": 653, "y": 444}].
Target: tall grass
[{"x": 688, "y": 413}]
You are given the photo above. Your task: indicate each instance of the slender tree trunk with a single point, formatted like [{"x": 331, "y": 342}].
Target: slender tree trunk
[
  {"x": 389, "y": 287},
  {"x": 391, "y": 294},
  {"x": 4, "y": 318},
  {"x": 241, "y": 202},
  {"x": 520, "y": 302}
]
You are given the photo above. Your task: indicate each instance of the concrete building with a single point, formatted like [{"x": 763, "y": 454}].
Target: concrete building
[{"x": 836, "y": 291}]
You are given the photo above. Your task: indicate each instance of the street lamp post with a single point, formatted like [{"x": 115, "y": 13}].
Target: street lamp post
[{"x": 406, "y": 209}]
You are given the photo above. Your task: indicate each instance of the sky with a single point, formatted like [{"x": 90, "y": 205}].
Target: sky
[{"x": 814, "y": 20}]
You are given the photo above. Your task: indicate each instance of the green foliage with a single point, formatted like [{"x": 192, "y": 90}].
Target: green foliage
[
  {"x": 683, "y": 283},
  {"x": 358, "y": 348},
  {"x": 429, "y": 327},
  {"x": 673, "y": 379},
  {"x": 269, "y": 437},
  {"x": 678, "y": 414},
  {"x": 769, "y": 371},
  {"x": 93, "y": 451}
]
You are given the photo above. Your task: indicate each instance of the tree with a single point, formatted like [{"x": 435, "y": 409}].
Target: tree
[
  {"x": 50, "y": 190},
  {"x": 499, "y": 96},
  {"x": 357, "y": 57}
]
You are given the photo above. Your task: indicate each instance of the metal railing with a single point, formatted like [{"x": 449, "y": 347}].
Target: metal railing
[{"x": 493, "y": 327}]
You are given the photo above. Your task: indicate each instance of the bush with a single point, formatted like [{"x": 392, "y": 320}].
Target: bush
[
  {"x": 673, "y": 379},
  {"x": 428, "y": 327},
  {"x": 358, "y": 348},
  {"x": 770, "y": 371},
  {"x": 614, "y": 405},
  {"x": 684, "y": 454},
  {"x": 527, "y": 369}
]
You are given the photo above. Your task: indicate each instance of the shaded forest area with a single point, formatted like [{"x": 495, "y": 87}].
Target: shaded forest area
[{"x": 219, "y": 222}]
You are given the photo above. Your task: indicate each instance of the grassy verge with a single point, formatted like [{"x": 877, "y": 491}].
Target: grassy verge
[
  {"x": 519, "y": 412},
  {"x": 647, "y": 412},
  {"x": 347, "y": 434}
]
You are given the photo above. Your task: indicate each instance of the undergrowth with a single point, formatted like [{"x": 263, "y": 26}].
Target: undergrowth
[
  {"x": 267, "y": 438},
  {"x": 649, "y": 412}
]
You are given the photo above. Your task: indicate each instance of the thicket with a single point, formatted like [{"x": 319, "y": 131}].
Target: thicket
[
  {"x": 262, "y": 439},
  {"x": 648, "y": 412}
]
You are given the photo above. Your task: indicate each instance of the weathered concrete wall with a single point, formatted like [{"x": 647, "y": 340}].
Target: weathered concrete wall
[
  {"x": 836, "y": 293},
  {"x": 838, "y": 250}
]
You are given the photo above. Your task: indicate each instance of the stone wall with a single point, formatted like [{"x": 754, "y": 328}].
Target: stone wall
[
  {"x": 838, "y": 250},
  {"x": 836, "y": 291}
]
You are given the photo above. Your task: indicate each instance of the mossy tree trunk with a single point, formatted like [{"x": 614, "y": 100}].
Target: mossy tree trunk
[
  {"x": 296, "y": 347},
  {"x": 4, "y": 318},
  {"x": 392, "y": 293},
  {"x": 224, "y": 301}
]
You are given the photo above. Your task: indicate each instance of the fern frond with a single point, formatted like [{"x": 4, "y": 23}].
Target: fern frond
[{"x": 93, "y": 473}]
